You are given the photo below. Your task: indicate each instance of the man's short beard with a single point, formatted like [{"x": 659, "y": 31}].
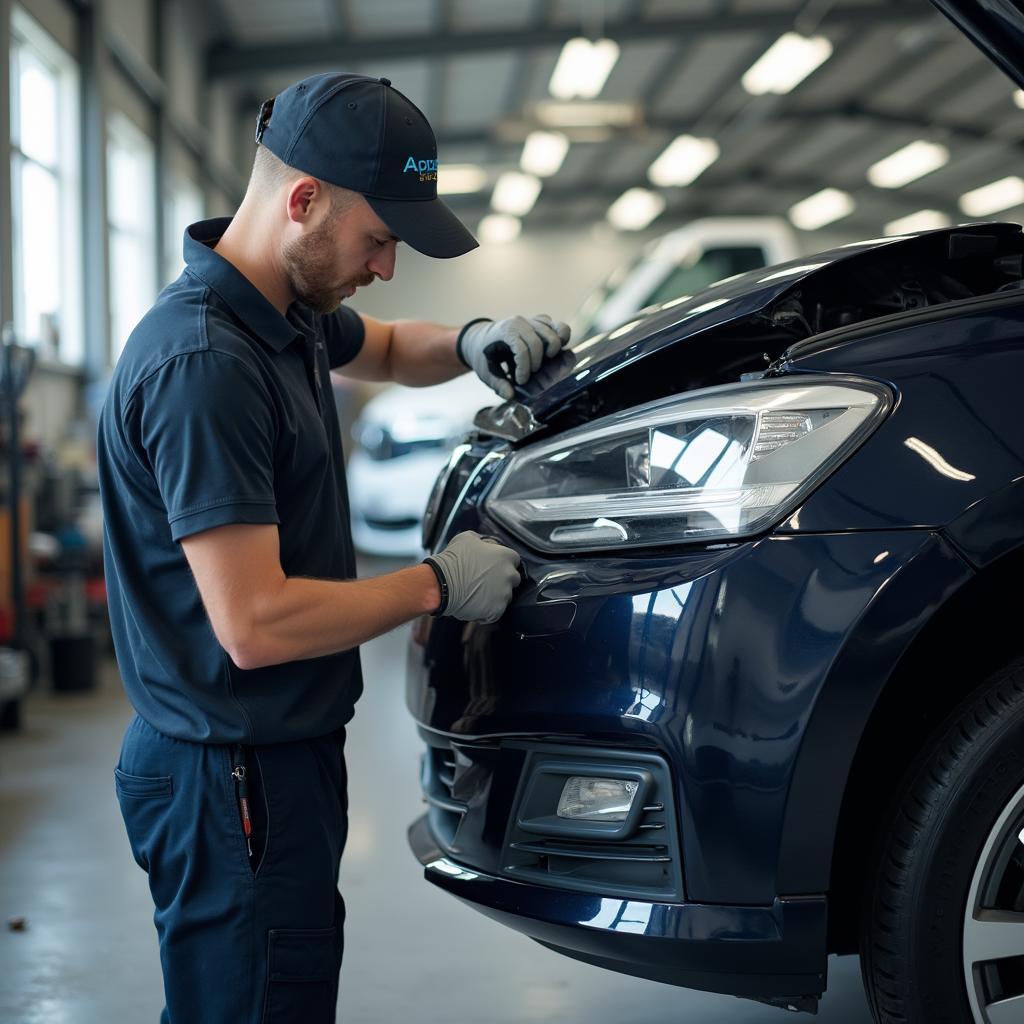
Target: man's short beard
[{"x": 309, "y": 263}]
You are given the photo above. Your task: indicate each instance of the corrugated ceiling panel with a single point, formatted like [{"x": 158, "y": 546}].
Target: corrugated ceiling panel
[
  {"x": 874, "y": 142},
  {"x": 853, "y": 67},
  {"x": 812, "y": 152},
  {"x": 673, "y": 8},
  {"x": 627, "y": 163},
  {"x": 915, "y": 88},
  {"x": 476, "y": 89},
  {"x": 382, "y": 17},
  {"x": 990, "y": 93},
  {"x": 752, "y": 145},
  {"x": 637, "y": 65},
  {"x": 542, "y": 65},
  {"x": 578, "y": 168},
  {"x": 590, "y": 13},
  {"x": 710, "y": 68},
  {"x": 479, "y": 15},
  {"x": 258, "y": 21}
]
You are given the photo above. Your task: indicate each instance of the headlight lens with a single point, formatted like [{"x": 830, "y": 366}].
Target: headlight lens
[{"x": 723, "y": 463}]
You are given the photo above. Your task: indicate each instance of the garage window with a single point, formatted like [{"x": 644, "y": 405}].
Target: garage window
[
  {"x": 47, "y": 261},
  {"x": 131, "y": 215},
  {"x": 184, "y": 206}
]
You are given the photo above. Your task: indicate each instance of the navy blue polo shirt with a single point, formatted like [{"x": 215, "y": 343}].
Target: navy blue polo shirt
[{"x": 220, "y": 411}]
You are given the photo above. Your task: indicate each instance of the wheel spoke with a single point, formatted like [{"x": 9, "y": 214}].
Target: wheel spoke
[
  {"x": 993, "y": 935},
  {"x": 1006, "y": 1011}
]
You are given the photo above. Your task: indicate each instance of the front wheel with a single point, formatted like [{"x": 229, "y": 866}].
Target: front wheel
[{"x": 942, "y": 937}]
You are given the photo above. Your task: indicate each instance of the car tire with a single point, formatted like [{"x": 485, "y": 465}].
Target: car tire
[{"x": 949, "y": 842}]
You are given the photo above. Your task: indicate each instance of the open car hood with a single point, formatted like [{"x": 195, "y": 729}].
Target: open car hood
[
  {"x": 996, "y": 27},
  {"x": 740, "y": 325}
]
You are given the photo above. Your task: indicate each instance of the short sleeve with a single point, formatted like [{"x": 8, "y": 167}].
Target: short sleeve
[
  {"x": 344, "y": 332},
  {"x": 207, "y": 427}
]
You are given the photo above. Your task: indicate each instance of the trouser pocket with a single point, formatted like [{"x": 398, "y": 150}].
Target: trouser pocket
[
  {"x": 144, "y": 801},
  {"x": 302, "y": 975}
]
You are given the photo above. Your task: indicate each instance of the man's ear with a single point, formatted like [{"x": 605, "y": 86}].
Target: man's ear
[{"x": 301, "y": 195}]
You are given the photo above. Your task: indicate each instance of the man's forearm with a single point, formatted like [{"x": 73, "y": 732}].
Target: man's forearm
[
  {"x": 309, "y": 618},
  {"x": 423, "y": 353}
]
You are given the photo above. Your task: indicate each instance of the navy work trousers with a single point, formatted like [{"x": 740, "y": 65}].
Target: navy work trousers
[{"x": 242, "y": 940}]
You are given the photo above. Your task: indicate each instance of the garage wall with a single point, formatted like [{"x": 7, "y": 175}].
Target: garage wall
[{"x": 541, "y": 272}]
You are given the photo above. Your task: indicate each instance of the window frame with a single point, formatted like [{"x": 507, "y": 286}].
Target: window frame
[{"x": 28, "y": 36}]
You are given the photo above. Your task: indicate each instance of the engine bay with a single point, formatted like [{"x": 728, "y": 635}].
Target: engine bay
[{"x": 915, "y": 275}]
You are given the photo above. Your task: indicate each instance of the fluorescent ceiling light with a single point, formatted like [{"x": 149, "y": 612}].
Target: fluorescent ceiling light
[
  {"x": 908, "y": 164},
  {"x": 786, "y": 63},
  {"x": 999, "y": 195},
  {"x": 515, "y": 193},
  {"x": 543, "y": 153},
  {"x": 1018, "y": 97},
  {"x": 923, "y": 220},
  {"x": 635, "y": 209},
  {"x": 683, "y": 161},
  {"x": 498, "y": 228},
  {"x": 824, "y": 207},
  {"x": 586, "y": 114},
  {"x": 458, "y": 179},
  {"x": 583, "y": 68}
]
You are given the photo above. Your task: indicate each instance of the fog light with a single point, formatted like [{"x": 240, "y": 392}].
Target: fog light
[{"x": 589, "y": 799}]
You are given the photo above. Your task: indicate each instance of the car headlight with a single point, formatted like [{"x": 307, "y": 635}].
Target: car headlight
[{"x": 722, "y": 463}]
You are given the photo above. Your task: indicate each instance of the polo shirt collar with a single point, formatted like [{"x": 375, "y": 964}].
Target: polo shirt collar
[{"x": 246, "y": 301}]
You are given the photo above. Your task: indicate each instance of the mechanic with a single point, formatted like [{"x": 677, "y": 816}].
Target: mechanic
[{"x": 234, "y": 606}]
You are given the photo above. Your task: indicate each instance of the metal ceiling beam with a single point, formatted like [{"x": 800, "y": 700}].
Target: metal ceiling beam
[
  {"x": 809, "y": 116},
  {"x": 225, "y": 60},
  {"x": 702, "y": 192}
]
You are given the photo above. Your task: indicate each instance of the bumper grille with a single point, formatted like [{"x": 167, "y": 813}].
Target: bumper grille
[
  {"x": 645, "y": 863},
  {"x": 481, "y": 811},
  {"x": 438, "y": 782}
]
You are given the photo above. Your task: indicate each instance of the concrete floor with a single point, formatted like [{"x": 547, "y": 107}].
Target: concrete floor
[{"x": 413, "y": 954}]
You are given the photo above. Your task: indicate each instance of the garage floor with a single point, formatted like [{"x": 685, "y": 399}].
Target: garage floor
[{"x": 89, "y": 953}]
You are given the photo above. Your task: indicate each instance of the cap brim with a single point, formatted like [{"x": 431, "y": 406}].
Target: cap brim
[{"x": 425, "y": 224}]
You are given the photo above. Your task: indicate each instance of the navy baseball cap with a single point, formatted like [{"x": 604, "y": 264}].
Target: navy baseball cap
[{"x": 362, "y": 134}]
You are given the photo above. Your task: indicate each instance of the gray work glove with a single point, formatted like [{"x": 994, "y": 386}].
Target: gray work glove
[
  {"x": 503, "y": 351},
  {"x": 477, "y": 576}
]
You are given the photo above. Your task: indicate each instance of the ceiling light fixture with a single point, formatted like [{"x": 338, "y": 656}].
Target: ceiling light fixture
[
  {"x": 498, "y": 228},
  {"x": 458, "y": 179},
  {"x": 999, "y": 195},
  {"x": 908, "y": 164},
  {"x": 543, "y": 153},
  {"x": 586, "y": 114},
  {"x": 685, "y": 159},
  {"x": 635, "y": 209},
  {"x": 923, "y": 220},
  {"x": 786, "y": 63},
  {"x": 515, "y": 193},
  {"x": 824, "y": 207},
  {"x": 583, "y": 67}
]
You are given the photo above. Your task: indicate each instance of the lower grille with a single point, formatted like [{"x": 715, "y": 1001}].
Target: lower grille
[
  {"x": 486, "y": 811},
  {"x": 438, "y": 782}
]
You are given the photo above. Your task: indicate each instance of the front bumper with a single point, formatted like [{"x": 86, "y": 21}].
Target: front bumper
[{"x": 774, "y": 953}]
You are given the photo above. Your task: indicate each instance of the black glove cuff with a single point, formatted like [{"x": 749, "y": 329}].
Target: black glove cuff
[
  {"x": 466, "y": 327},
  {"x": 442, "y": 583}
]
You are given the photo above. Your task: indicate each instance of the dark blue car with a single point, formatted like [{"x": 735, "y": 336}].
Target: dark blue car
[{"x": 760, "y": 697}]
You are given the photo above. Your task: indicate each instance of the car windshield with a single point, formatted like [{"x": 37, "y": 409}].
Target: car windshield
[
  {"x": 713, "y": 265},
  {"x": 611, "y": 306}
]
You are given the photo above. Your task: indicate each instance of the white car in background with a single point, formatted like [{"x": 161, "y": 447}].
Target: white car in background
[
  {"x": 403, "y": 439},
  {"x": 405, "y": 435},
  {"x": 682, "y": 263}
]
